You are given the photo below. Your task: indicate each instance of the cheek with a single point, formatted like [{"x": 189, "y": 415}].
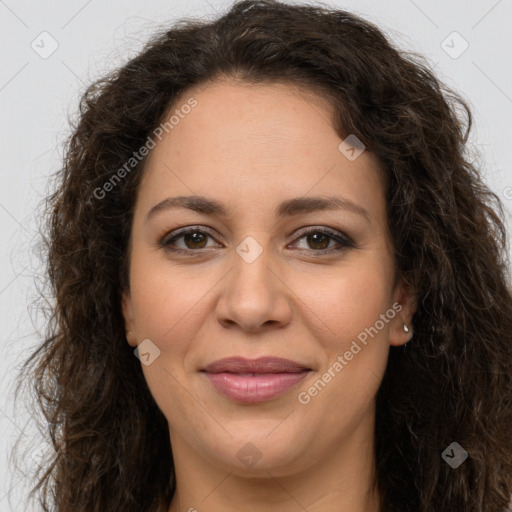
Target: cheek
[
  {"x": 164, "y": 297},
  {"x": 167, "y": 306},
  {"x": 348, "y": 324},
  {"x": 345, "y": 302}
]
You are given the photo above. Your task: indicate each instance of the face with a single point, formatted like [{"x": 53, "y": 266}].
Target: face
[{"x": 265, "y": 267}]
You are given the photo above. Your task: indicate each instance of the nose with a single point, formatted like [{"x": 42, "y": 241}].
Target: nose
[{"x": 254, "y": 295}]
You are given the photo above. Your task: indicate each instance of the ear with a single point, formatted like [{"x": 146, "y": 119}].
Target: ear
[
  {"x": 406, "y": 297},
  {"x": 127, "y": 308}
]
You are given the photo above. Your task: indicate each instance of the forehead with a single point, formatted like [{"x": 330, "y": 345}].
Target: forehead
[
  {"x": 267, "y": 113},
  {"x": 246, "y": 141}
]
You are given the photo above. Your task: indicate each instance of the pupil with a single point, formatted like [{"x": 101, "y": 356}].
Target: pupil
[
  {"x": 195, "y": 238},
  {"x": 317, "y": 240},
  {"x": 323, "y": 238}
]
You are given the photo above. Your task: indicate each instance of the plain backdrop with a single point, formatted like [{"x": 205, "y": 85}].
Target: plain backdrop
[{"x": 51, "y": 50}]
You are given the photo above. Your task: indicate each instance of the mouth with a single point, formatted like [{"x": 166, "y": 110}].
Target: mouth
[{"x": 252, "y": 381}]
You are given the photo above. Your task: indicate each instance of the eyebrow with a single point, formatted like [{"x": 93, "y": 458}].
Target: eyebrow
[{"x": 287, "y": 208}]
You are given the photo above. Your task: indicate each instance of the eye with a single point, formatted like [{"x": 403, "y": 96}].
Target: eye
[
  {"x": 320, "y": 239},
  {"x": 194, "y": 239}
]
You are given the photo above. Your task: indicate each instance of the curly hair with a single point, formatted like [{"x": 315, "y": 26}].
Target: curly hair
[{"x": 452, "y": 382}]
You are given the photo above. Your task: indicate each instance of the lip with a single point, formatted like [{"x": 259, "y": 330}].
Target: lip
[
  {"x": 259, "y": 365},
  {"x": 254, "y": 380}
]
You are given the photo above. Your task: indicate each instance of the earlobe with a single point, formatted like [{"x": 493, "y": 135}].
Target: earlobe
[
  {"x": 409, "y": 332},
  {"x": 402, "y": 330},
  {"x": 131, "y": 339},
  {"x": 126, "y": 305}
]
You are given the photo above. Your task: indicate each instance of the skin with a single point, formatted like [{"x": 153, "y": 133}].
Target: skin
[{"x": 251, "y": 147}]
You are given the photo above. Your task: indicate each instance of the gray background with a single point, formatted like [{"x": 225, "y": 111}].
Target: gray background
[{"x": 39, "y": 90}]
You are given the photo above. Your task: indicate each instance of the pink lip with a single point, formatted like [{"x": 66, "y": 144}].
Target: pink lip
[
  {"x": 254, "y": 388},
  {"x": 260, "y": 365},
  {"x": 254, "y": 380}
]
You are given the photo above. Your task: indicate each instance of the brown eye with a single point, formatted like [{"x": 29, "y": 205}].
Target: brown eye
[
  {"x": 318, "y": 241},
  {"x": 191, "y": 241},
  {"x": 195, "y": 239}
]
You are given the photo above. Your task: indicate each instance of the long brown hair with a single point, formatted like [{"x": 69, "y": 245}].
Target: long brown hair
[{"x": 451, "y": 383}]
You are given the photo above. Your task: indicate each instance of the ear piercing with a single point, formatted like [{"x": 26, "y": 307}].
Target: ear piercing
[{"x": 407, "y": 329}]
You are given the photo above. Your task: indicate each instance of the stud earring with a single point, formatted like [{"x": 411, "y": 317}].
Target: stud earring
[{"x": 406, "y": 329}]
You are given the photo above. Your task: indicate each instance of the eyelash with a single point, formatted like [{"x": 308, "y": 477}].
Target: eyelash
[{"x": 345, "y": 241}]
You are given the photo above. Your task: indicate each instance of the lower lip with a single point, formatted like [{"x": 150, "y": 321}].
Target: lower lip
[{"x": 254, "y": 389}]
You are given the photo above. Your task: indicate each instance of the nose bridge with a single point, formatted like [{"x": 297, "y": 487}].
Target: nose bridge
[
  {"x": 252, "y": 294},
  {"x": 251, "y": 276},
  {"x": 252, "y": 260}
]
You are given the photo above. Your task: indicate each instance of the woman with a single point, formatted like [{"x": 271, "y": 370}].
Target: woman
[{"x": 279, "y": 281}]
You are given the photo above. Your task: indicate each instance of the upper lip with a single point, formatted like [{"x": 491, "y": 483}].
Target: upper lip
[{"x": 260, "y": 365}]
